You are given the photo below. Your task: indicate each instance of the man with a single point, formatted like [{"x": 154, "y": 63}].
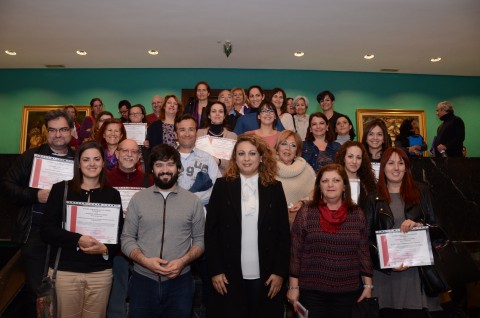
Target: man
[
  {"x": 124, "y": 175},
  {"x": 163, "y": 234},
  {"x": 200, "y": 169},
  {"x": 450, "y": 133},
  {"x": 123, "y": 109},
  {"x": 326, "y": 100},
  {"x": 157, "y": 102},
  {"x": 226, "y": 97},
  {"x": 32, "y": 201}
]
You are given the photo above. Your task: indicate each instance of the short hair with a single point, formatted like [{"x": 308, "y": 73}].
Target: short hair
[
  {"x": 351, "y": 132},
  {"x": 164, "y": 104},
  {"x": 102, "y": 129},
  {"x": 185, "y": 117},
  {"x": 207, "y": 121},
  {"x": 387, "y": 141},
  {"x": 233, "y": 90},
  {"x": 282, "y": 136},
  {"x": 76, "y": 183},
  {"x": 95, "y": 99},
  {"x": 305, "y": 99},
  {"x": 329, "y": 134},
  {"x": 267, "y": 170},
  {"x": 124, "y": 102},
  {"x": 164, "y": 152},
  {"x": 204, "y": 83},
  {"x": 317, "y": 192},
  {"x": 142, "y": 108},
  {"x": 446, "y": 106},
  {"x": 267, "y": 104},
  {"x": 283, "y": 108},
  {"x": 321, "y": 96},
  {"x": 57, "y": 113}
]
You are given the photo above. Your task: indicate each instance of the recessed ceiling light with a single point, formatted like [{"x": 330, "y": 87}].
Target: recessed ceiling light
[
  {"x": 81, "y": 52},
  {"x": 153, "y": 52},
  {"x": 299, "y": 54},
  {"x": 10, "y": 52},
  {"x": 435, "y": 59},
  {"x": 368, "y": 56}
]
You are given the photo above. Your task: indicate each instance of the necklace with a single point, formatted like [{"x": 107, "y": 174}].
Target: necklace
[{"x": 215, "y": 135}]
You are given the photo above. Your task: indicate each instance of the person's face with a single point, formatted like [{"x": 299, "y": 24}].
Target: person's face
[
  {"x": 395, "y": 169},
  {"x": 290, "y": 107},
  {"x": 326, "y": 103},
  {"x": 136, "y": 115},
  {"x": 217, "y": 115},
  {"x": 255, "y": 97},
  {"x": 266, "y": 116},
  {"x": 165, "y": 174},
  {"x": 112, "y": 134},
  {"x": 318, "y": 127},
  {"x": 238, "y": 98},
  {"x": 102, "y": 119},
  {"x": 375, "y": 138},
  {"x": 171, "y": 106},
  {"x": 440, "y": 111},
  {"x": 277, "y": 100},
  {"x": 287, "y": 150},
  {"x": 157, "y": 102},
  {"x": 343, "y": 126},
  {"x": 58, "y": 134},
  {"x": 202, "y": 92},
  {"x": 128, "y": 155},
  {"x": 226, "y": 97},
  {"x": 353, "y": 159},
  {"x": 247, "y": 158},
  {"x": 124, "y": 111},
  {"x": 97, "y": 107},
  {"x": 71, "y": 112},
  {"x": 332, "y": 187},
  {"x": 186, "y": 133},
  {"x": 91, "y": 163},
  {"x": 301, "y": 107}
]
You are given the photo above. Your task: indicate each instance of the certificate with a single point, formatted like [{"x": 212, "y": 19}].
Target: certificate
[
  {"x": 47, "y": 170},
  {"x": 98, "y": 220},
  {"x": 126, "y": 193},
  {"x": 136, "y": 131},
  {"x": 355, "y": 189},
  {"x": 408, "y": 249},
  {"x": 376, "y": 169},
  {"x": 302, "y": 312},
  {"x": 220, "y": 148}
]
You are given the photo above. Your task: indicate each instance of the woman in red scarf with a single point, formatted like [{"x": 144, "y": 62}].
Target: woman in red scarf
[{"x": 329, "y": 252}]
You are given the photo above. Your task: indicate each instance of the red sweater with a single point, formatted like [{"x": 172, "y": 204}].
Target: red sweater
[{"x": 119, "y": 178}]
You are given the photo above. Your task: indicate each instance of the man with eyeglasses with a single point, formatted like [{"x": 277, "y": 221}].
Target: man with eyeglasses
[
  {"x": 31, "y": 201},
  {"x": 157, "y": 102},
  {"x": 127, "y": 179},
  {"x": 123, "y": 109}
]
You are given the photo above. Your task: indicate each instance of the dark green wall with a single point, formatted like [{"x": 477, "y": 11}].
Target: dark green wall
[{"x": 19, "y": 87}]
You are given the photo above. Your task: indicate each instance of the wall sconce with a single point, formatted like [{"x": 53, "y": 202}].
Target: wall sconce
[{"x": 227, "y": 48}]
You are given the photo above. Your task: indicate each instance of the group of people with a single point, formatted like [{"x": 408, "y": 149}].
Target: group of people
[{"x": 290, "y": 216}]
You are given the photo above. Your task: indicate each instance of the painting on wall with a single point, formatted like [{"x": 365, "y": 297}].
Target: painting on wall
[
  {"x": 393, "y": 118},
  {"x": 33, "y": 131}
]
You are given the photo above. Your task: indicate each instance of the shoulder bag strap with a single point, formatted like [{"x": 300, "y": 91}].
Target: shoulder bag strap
[{"x": 64, "y": 212}]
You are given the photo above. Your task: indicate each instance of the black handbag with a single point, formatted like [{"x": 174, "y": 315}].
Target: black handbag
[{"x": 367, "y": 308}]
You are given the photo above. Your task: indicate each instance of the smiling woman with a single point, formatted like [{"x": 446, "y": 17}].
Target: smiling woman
[
  {"x": 110, "y": 135},
  {"x": 267, "y": 120}
]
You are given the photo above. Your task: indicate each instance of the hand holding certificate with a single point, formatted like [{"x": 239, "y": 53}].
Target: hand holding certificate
[
  {"x": 218, "y": 147},
  {"x": 47, "y": 170}
]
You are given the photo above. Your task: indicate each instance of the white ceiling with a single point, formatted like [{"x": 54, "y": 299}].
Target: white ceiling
[{"x": 335, "y": 34}]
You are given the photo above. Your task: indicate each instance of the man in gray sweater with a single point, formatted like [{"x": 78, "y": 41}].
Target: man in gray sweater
[{"x": 163, "y": 234}]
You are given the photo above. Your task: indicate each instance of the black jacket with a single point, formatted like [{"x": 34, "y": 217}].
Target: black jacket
[{"x": 451, "y": 133}]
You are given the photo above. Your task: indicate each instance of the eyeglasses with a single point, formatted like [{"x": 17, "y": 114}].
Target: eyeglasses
[
  {"x": 136, "y": 114},
  {"x": 267, "y": 111},
  {"x": 291, "y": 144},
  {"x": 127, "y": 151},
  {"x": 123, "y": 111},
  {"x": 62, "y": 130}
]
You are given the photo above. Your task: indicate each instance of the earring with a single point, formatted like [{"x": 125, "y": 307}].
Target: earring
[{"x": 344, "y": 194}]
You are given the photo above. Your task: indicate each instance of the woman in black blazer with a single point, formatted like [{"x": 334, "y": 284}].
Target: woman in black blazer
[{"x": 247, "y": 236}]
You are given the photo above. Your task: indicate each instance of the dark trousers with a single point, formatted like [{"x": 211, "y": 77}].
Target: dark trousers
[
  {"x": 328, "y": 305},
  {"x": 253, "y": 287},
  {"x": 402, "y": 313}
]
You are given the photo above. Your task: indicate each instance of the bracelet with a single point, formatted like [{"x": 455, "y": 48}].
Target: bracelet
[
  {"x": 293, "y": 287},
  {"x": 105, "y": 254},
  {"x": 368, "y": 286}
]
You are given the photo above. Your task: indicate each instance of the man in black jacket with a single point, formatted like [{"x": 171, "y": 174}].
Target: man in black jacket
[
  {"x": 450, "y": 133},
  {"x": 32, "y": 201}
]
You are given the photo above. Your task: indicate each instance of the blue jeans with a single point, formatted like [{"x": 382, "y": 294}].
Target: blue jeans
[
  {"x": 119, "y": 292},
  {"x": 168, "y": 299}
]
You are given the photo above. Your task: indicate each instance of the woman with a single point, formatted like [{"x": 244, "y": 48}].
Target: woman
[
  {"x": 162, "y": 131},
  {"x": 376, "y": 139},
  {"x": 399, "y": 203},
  {"x": 290, "y": 108},
  {"x": 240, "y": 100},
  {"x": 344, "y": 130},
  {"x": 88, "y": 123},
  {"x": 197, "y": 106},
  {"x": 84, "y": 274},
  {"x": 411, "y": 142},
  {"x": 137, "y": 114},
  {"x": 353, "y": 157},
  {"x": 250, "y": 121},
  {"x": 279, "y": 99},
  {"x": 296, "y": 175},
  {"x": 247, "y": 239},
  {"x": 319, "y": 147},
  {"x": 102, "y": 116},
  {"x": 215, "y": 126},
  {"x": 110, "y": 135},
  {"x": 326, "y": 99},
  {"x": 267, "y": 122},
  {"x": 300, "y": 103},
  {"x": 330, "y": 250}
]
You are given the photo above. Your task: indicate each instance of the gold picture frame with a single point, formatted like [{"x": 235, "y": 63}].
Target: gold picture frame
[
  {"x": 393, "y": 118},
  {"x": 33, "y": 131}
]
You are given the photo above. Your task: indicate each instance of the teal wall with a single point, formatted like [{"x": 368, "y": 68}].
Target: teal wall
[{"x": 353, "y": 90}]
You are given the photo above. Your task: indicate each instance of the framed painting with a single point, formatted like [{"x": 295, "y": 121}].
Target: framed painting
[
  {"x": 33, "y": 132},
  {"x": 393, "y": 118}
]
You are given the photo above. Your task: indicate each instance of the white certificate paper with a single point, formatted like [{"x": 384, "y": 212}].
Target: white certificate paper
[
  {"x": 355, "y": 189},
  {"x": 47, "y": 170},
  {"x": 126, "y": 193},
  {"x": 220, "y": 148},
  {"x": 302, "y": 312},
  {"x": 136, "y": 131},
  {"x": 376, "y": 169},
  {"x": 98, "y": 220},
  {"x": 408, "y": 249}
]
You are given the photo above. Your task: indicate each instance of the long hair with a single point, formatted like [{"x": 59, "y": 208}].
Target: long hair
[
  {"x": 94, "y": 100},
  {"x": 267, "y": 169},
  {"x": 329, "y": 134},
  {"x": 76, "y": 183},
  {"x": 283, "y": 108},
  {"x": 351, "y": 132},
  {"x": 107, "y": 122},
  {"x": 265, "y": 104},
  {"x": 317, "y": 192},
  {"x": 387, "y": 141},
  {"x": 95, "y": 129},
  {"x": 207, "y": 121},
  {"x": 284, "y": 135},
  {"x": 408, "y": 190},
  {"x": 179, "y": 107}
]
